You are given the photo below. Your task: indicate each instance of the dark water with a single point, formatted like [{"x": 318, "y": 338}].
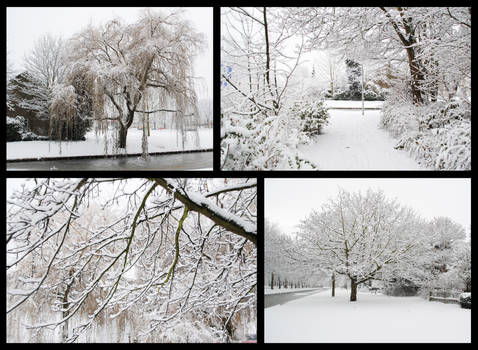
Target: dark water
[{"x": 180, "y": 161}]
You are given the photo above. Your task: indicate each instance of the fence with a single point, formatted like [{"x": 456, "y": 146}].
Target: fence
[{"x": 446, "y": 297}]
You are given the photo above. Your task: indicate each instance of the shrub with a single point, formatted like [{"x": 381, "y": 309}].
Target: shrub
[
  {"x": 465, "y": 300},
  {"x": 258, "y": 143},
  {"x": 438, "y": 135},
  {"x": 401, "y": 287},
  {"x": 15, "y": 128},
  {"x": 312, "y": 114}
]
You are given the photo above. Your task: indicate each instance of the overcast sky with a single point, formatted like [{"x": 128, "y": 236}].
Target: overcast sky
[
  {"x": 25, "y": 25},
  {"x": 287, "y": 201}
]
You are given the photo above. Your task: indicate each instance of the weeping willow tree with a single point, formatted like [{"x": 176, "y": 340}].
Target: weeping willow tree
[{"x": 122, "y": 63}]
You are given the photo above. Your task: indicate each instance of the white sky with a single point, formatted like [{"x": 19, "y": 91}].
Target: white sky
[
  {"x": 25, "y": 25},
  {"x": 287, "y": 201}
]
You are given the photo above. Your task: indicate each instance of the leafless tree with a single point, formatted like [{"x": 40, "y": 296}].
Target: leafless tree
[
  {"x": 46, "y": 61},
  {"x": 166, "y": 249},
  {"x": 124, "y": 63}
]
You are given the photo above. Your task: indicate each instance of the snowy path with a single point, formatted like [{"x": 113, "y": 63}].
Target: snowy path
[
  {"x": 373, "y": 318},
  {"x": 354, "y": 142}
]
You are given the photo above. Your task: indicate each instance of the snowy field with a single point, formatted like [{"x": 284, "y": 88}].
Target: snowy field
[
  {"x": 354, "y": 142},
  {"x": 373, "y": 318},
  {"x": 160, "y": 141}
]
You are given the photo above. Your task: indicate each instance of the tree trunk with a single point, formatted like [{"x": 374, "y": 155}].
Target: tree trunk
[
  {"x": 417, "y": 78},
  {"x": 123, "y": 129},
  {"x": 353, "y": 289},
  {"x": 65, "y": 305},
  {"x": 122, "y": 134},
  {"x": 333, "y": 285}
]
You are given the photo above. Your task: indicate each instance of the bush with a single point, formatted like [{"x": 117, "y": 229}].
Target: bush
[
  {"x": 401, "y": 287},
  {"x": 370, "y": 94},
  {"x": 15, "y": 128},
  {"x": 258, "y": 143},
  {"x": 465, "y": 300},
  {"x": 438, "y": 135},
  {"x": 313, "y": 116}
]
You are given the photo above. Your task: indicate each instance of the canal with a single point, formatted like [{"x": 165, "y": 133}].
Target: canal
[{"x": 177, "y": 161}]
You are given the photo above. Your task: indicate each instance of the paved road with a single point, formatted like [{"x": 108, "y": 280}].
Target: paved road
[
  {"x": 282, "y": 298},
  {"x": 180, "y": 161}
]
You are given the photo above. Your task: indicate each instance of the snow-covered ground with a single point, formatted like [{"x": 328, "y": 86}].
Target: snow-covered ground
[
  {"x": 354, "y": 142},
  {"x": 372, "y": 318},
  {"x": 160, "y": 141}
]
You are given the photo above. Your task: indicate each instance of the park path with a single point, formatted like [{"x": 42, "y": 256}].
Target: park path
[{"x": 352, "y": 141}]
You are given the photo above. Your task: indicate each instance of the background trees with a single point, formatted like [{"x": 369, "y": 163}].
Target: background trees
[{"x": 154, "y": 254}]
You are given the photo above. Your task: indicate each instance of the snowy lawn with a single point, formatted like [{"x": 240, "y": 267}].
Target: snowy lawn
[
  {"x": 159, "y": 141},
  {"x": 372, "y": 318},
  {"x": 354, "y": 142}
]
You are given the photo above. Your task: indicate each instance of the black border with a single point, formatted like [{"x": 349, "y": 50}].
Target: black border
[{"x": 260, "y": 175}]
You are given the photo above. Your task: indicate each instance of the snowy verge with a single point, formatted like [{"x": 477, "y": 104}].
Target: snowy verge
[
  {"x": 160, "y": 141},
  {"x": 437, "y": 135}
]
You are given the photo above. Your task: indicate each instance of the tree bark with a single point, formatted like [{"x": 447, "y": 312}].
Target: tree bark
[
  {"x": 353, "y": 289},
  {"x": 123, "y": 129},
  {"x": 122, "y": 135},
  {"x": 333, "y": 284}
]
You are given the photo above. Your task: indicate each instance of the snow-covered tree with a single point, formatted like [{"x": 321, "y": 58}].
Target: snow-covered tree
[
  {"x": 462, "y": 264},
  {"x": 354, "y": 77},
  {"x": 46, "y": 64},
  {"x": 359, "y": 235},
  {"x": 46, "y": 61},
  {"x": 434, "y": 43},
  {"x": 259, "y": 55},
  {"x": 122, "y": 64},
  {"x": 174, "y": 252},
  {"x": 428, "y": 52},
  {"x": 281, "y": 267}
]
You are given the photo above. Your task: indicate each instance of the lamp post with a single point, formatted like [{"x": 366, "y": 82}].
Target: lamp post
[{"x": 362, "y": 93}]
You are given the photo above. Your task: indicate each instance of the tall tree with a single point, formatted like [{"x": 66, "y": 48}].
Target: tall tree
[
  {"x": 123, "y": 63},
  {"x": 46, "y": 61},
  {"x": 359, "y": 234},
  {"x": 434, "y": 43},
  {"x": 262, "y": 54}
]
